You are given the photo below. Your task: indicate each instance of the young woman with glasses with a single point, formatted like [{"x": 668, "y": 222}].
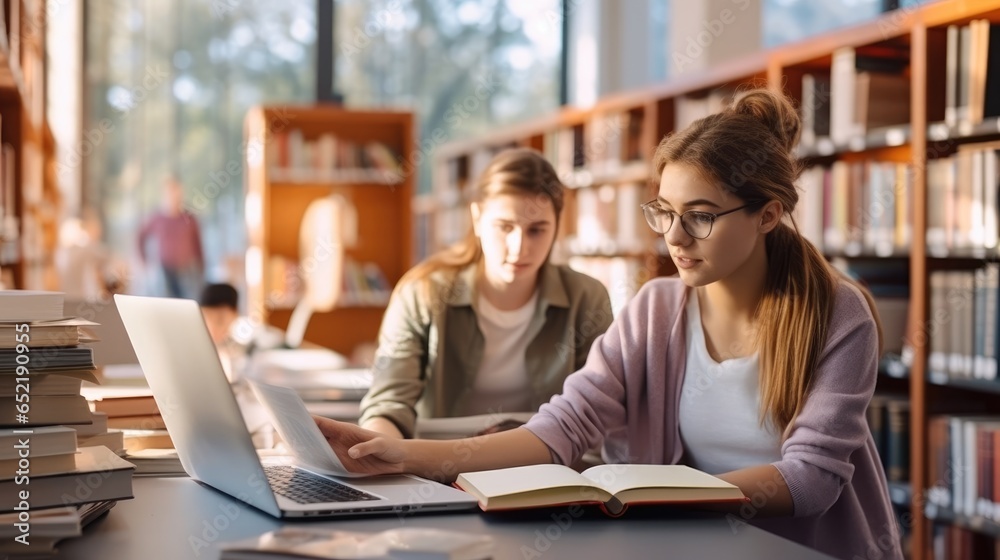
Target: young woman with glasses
[
  {"x": 756, "y": 365},
  {"x": 489, "y": 325}
]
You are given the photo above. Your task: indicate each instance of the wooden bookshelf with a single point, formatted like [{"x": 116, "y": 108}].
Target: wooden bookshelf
[
  {"x": 29, "y": 195},
  {"x": 298, "y": 154},
  {"x": 893, "y": 161}
]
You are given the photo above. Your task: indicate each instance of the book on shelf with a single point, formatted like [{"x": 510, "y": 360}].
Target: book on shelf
[
  {"x": 972, "y": 73},
  {"x": 363, "y": 283},
  {"x": 852, "y": 90},
  {"x": 815, "y": 108},
  {"x": 963, "y": 473},
  {"x": 406, "y": 543},
  {"x": 857, "y": 207},
  {"x": 612, "y": 487},
  {"x": 608, "y": 220},
  {"x": 688, "y": 109},
  {"x": 25, "y": 306},
  {"x": 954, "y": 542},
  {"x": 967, "y": 349},
  {"x": 296, "y": 157},
  {"x": 897, "y": 442},
  {"x": 882, "y": 100},
  {"x": 75, "y": 487}
]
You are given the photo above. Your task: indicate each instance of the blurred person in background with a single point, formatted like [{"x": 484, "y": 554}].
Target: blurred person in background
[{"x": 178, "y": 243}]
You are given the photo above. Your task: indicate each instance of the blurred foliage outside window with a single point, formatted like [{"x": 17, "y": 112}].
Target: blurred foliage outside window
[
  {"x": 463, "y": 66},
  {"x": 167, "y": 86}
]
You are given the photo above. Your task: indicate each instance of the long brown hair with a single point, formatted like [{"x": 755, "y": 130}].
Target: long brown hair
[
  {"x": 747, "y": 149},
  {"x": 520, "y": 171}
]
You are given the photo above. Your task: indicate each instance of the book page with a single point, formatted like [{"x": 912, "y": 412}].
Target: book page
[
  {"x": 519, "y": 480},
  {"x": 617, "y": 478},
  {"x": 294, "y": 424}
]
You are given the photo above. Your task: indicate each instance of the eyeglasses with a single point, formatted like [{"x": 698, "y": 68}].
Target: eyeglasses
[{"x": 697, "y": 224}]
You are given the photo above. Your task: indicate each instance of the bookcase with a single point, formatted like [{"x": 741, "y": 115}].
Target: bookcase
[
  {"x": 29, "y": 195},
  {"x": 900, "y": 147},
  {"x": 297, "y": 155}
]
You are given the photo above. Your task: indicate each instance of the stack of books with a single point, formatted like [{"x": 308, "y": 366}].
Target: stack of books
[
  {"x": 45, "y": 476},
  {"x": 127, "y": 406}
]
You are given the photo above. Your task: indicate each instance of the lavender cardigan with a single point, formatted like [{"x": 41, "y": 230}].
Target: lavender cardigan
[{"x": 630, "y": 390}]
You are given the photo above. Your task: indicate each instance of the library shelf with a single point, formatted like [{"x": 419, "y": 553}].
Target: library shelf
[
  {"x": 30, "y": 198},
  {"x": 312, "y": 152},
  {"x": 975, "y": 523}
]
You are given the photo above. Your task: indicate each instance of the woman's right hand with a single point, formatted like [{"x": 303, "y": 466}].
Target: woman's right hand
[{"x": 361, "y": 450}]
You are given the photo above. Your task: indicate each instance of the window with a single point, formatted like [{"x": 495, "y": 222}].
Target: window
[
  {"x": 659, "y": 39},
  {"x": 786, "y": 21},
  {"x": 463, "y": 66},
  {"x": 167, "y": 86}
]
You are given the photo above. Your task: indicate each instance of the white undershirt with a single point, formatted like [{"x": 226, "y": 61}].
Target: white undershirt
[
  {"x": 502, "y": 384},
  {"x": 720, "y": 407}
]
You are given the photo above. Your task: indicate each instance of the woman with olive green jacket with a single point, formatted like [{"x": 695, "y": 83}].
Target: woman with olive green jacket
[{"x": 490, "y": 325}]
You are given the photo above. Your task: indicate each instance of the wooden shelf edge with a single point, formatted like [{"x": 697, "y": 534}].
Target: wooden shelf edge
[
  {"x": 865, "y": 255},
  {"x": 974, "y": 523},
  {"x": 301, "y": 177},
  {"x": 942, "y": 132},
  {"x": 620, "y": 173},
  {"x": 977, "y": 385},
  {"x": 888, "y": 137}
]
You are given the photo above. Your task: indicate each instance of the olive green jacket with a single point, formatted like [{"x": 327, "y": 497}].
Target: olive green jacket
[{"x": 430, "y": 351}]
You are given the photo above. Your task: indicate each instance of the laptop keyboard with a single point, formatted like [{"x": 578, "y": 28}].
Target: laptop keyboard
[{"x": 307, "y": 488}]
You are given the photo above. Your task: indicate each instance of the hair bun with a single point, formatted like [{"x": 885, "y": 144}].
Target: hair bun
[{"x": 773, "y": 111}]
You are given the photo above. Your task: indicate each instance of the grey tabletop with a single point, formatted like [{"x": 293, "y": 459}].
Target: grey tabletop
[{"x": 177, "y": 518}]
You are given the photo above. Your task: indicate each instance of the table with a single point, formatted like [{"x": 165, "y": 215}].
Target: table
[{"x": 177, "y": 518}]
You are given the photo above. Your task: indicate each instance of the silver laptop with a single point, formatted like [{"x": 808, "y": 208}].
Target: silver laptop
[{"x": 203, "y": 418}]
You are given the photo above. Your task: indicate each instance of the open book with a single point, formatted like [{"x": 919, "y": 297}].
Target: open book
[{"x": 613, "y": 487}]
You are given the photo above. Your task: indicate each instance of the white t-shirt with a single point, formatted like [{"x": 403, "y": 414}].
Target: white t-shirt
[
  {"x": 502, "y": 384},
  {"x": 720, "y": 407}
]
